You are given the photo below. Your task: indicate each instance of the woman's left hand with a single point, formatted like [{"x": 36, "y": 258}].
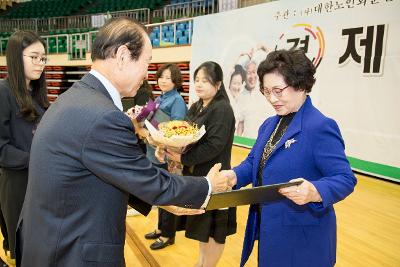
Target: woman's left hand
[
  {"x": 301, "y": 194},
  {"x": 173, "y": 155}
]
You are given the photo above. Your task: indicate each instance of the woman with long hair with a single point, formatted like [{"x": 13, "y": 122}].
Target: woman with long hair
[
  {"x": 23, "y": 100},
  {"x": 214, "y": 112}
]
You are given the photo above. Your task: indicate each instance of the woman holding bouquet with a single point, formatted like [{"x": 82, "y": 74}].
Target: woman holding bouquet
[
  {"x": 214, "y": 112},
  {"x": 172, "y": 107}
]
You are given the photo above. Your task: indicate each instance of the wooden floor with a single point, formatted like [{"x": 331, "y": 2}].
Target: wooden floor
[{"x": 368, "y": 231}]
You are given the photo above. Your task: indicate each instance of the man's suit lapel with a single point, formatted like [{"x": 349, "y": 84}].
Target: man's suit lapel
[
  {"x": 95, "y": 83},
  {"x": 135, "y": 202}
]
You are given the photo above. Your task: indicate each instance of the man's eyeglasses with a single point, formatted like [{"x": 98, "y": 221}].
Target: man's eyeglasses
[
  {"x": 276, "y": 91},
  {"x": 38, "y": 60}
]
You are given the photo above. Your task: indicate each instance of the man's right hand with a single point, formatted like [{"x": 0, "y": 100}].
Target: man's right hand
[{"x": 219, "y": 182}]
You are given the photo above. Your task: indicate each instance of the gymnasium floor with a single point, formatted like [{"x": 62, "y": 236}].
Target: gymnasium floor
[{"x": 368, "y": 231}]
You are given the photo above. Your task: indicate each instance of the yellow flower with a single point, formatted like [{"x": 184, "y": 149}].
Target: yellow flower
[{"x": 180, "y": 128}]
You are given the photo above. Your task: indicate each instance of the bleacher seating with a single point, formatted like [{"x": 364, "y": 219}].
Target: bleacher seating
[
  {"x": 168, "y": 36},
  {"x": 74, "y": 41},
  {"x": 102, "y": 6},
  {"x": 205, "y": 3},
  {"x": 57, "y": 8},
  {"x": 46, "y": 8},
  {"x": 4, "y": 39}
]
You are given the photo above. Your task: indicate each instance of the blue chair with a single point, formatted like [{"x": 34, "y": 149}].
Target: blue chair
[
  {"x": 183, "y": 40},
  {"x": 153, "y": 35},
  {"x": 181, "y": 26},
  {"x": 165, "y": 28},
  {"x": 209, "y": 3},
  {"x": 169, "y": 34},
  {"x": 186, "y": 32},
  {"x": 155, "y": 42}
]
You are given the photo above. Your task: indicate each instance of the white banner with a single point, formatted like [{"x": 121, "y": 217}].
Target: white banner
[{"x": 354, "y": 43}]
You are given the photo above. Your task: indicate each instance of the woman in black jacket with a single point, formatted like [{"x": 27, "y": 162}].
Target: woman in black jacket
[
  {"x": 23, "y": 100},
  {"x": 214, "y": 112}
]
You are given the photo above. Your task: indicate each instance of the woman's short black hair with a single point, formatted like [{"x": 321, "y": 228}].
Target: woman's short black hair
[
  {"x": 295, "y": 67},
  {"x": 176, "y": 75}
]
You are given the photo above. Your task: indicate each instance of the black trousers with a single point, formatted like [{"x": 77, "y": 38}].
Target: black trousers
[
  {"x": 166, "y": 220},
  {"x": 3, "y": 227},
  {"x": 167, "y": 223},
  {"x": 12, "y": 194}
]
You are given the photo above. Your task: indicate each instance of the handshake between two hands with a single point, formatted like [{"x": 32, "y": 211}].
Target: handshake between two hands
[
  {"x": 220, "y": 181},
  {"x": 224, "y": 180}
]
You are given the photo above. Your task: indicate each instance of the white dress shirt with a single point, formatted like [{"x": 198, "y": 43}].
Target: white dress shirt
[{"x": 116, "y": 97}]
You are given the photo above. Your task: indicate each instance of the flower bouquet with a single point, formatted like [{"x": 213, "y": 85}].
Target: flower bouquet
[
  {"x": 175, "y": 135},
  {"x": 141, "y": 113}
]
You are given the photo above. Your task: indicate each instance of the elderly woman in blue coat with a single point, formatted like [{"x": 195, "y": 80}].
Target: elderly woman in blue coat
[{"x": 298, "y": 143}]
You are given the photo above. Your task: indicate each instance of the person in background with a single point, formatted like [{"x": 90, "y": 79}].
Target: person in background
[
  {"x": 143, "y": 95},
  {"x": 298, "y": 143},
  {"x": 253, "y": 110},
  {"x": 169, "y": 79},
  {"x": 238, "y": 77},
  {"x": 214, "y": 111},
  {"x": 23, "y": 100},
  {"x": 171, "y": 104}
]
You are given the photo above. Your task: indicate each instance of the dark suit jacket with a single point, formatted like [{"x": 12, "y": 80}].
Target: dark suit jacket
[
  {"x": 84, "y": 161},
  {"x": 216, "y": 145},
  {"x": 16, "y": 135},
  {"x": 15, "y": 132}
]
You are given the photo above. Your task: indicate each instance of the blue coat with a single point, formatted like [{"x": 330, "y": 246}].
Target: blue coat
[{"x": 291, "y": 234}]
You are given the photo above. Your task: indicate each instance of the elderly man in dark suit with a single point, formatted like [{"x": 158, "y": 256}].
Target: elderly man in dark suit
[{"x": 85, "y": 161}]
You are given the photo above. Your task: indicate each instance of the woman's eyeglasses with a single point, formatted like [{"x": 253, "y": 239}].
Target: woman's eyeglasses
[
  {"x": 276, "y": 91},
  {"x": 38, "y": 60}
]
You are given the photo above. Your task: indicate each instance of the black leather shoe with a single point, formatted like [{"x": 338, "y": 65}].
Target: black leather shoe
[
  {"x": 152, "y": 235},
  {"x": 2, "y": 263},
  {"x": 159, "y": 244}
]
